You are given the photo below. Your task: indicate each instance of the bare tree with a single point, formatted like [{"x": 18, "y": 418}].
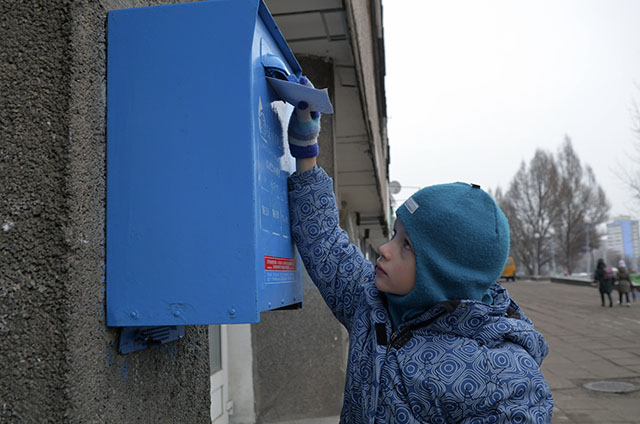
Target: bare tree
[
  {"x": 583, "y": 206},
  {"x": 632, "y": 177},
  {"x": 530, "y": 205},
  {"x": 497, "y": 194}
]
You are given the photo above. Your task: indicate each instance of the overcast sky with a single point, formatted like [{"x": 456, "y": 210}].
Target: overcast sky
[{"x": 475, "y": 87}]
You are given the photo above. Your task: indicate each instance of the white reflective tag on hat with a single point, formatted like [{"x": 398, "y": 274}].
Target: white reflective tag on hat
[{"x": 411, "y": 205}]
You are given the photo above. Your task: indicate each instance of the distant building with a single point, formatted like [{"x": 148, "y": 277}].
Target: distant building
[{"x": 623, "y": 238}]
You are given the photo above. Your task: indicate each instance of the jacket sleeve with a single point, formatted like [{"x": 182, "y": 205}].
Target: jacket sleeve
[
  {"x": 527, "y": 399},
  {"x": 337, "y": 267}
]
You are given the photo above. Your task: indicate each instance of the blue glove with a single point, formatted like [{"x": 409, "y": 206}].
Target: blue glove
[{"x": 304, "y": 127}]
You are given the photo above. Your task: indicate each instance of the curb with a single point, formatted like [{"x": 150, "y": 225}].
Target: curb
[{"x": 572, "y": 281}]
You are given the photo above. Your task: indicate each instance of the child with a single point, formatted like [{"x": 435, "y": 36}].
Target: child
[
  {"x": 623, "y": 282},
  {"x": 433, "y": 337}
]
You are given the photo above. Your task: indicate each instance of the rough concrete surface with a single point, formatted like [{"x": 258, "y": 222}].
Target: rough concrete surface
[
  {"x": 58, "y": 360},
  {"x": 299, "y": 373}
]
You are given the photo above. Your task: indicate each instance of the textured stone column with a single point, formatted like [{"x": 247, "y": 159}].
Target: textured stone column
[{"x": 58, "y": 360}]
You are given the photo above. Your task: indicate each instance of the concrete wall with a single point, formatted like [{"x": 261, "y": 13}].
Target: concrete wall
[
  {"x": 58, "y": 361},
  {"x": 300, "y": 356}
]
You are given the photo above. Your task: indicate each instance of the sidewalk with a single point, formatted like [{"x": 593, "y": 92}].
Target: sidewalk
[{"x": 587, "y": 343}]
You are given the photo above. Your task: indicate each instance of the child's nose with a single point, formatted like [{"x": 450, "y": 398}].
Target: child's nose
[{"x": 383, "y": 251}]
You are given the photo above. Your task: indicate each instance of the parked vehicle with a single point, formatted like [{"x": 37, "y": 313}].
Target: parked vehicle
[{"x": 509, "y": 272}]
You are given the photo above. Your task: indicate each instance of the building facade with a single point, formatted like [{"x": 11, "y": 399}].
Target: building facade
[{"x": 623, "y": 239}]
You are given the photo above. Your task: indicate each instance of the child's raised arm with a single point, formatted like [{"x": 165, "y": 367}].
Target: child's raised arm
[
  {"x": 336, "y": 266},
  {"x": 305, "y": 164}
]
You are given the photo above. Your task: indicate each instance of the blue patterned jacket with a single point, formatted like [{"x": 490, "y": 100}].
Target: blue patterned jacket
[{"x": 459, "y": 362}]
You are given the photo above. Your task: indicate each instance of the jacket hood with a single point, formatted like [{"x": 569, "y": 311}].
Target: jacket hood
[
  {"x": 460, "y": 238},
  {"x": 489, "y": 325}
]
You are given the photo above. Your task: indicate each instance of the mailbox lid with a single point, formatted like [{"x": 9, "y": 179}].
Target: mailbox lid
[{"x": 176, "y": 163}]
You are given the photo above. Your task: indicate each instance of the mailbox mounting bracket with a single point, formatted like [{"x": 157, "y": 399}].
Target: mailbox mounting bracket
[{"x": 138, "y": 338}]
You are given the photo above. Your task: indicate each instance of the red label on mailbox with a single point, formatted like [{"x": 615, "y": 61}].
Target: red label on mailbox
[{"x": 272, "y": 263}]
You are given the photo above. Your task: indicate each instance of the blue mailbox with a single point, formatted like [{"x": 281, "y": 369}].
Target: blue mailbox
[{"x": 197, "y": 214}]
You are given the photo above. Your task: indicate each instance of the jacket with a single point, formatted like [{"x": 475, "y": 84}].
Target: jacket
[
  {"x": 624, "y": 280},
  {"x": 605, "y": 284},
  {"x": 459, "y": 362}
]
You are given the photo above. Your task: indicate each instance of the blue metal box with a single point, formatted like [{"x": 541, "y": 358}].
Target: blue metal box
[{"x": 197, "y": 214}]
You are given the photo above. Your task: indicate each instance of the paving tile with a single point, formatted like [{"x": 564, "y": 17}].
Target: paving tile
[
  {"x": 559, "y": 417},
  {"x": 559, "y": 360},
  {"x": 609, "y": 372},
  {"x": 614, "y": 353},
  {"x": 633, "y": 368},
  {"x": 557, "y": 382},
  {"x": 596, "y": 416},
  {"x": 626, "y": 361}
]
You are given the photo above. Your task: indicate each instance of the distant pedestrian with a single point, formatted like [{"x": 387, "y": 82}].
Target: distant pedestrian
[
  {"x": 623, "y": 282},
  {"x": 604, "y": 279}
]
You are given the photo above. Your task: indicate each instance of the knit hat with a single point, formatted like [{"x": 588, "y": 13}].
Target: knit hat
[
  {"x": 621, "y": 264},
  {"x": 460, "y": 238}
]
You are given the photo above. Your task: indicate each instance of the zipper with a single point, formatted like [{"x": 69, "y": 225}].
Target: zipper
[
  {"x": 392, "y": 340},
  {"x": 402, "y": 337}
]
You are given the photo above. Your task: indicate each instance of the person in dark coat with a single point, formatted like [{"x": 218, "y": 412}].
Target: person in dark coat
[{"x": 604, "y": 280}]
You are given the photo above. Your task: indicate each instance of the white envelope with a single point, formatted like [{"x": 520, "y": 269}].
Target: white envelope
[{"x": 293, "y": 93}]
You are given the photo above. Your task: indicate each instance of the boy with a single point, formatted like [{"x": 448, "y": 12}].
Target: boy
[{"x": 433, "y": 337}]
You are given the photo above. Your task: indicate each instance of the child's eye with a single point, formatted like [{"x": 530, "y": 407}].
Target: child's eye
[{"x": 407, "y": 245}]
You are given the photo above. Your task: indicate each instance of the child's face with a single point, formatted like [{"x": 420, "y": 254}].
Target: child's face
[{"x": 396, "y": 266}]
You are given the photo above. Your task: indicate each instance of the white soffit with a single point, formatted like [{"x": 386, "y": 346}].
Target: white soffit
[{"x": 320, "y": 28}]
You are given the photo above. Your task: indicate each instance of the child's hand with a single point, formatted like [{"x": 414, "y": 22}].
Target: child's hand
[{"x": 304, "y": 127}]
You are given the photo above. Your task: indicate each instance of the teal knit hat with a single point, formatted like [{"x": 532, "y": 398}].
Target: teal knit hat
[{"x": 461, "y": 242}]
